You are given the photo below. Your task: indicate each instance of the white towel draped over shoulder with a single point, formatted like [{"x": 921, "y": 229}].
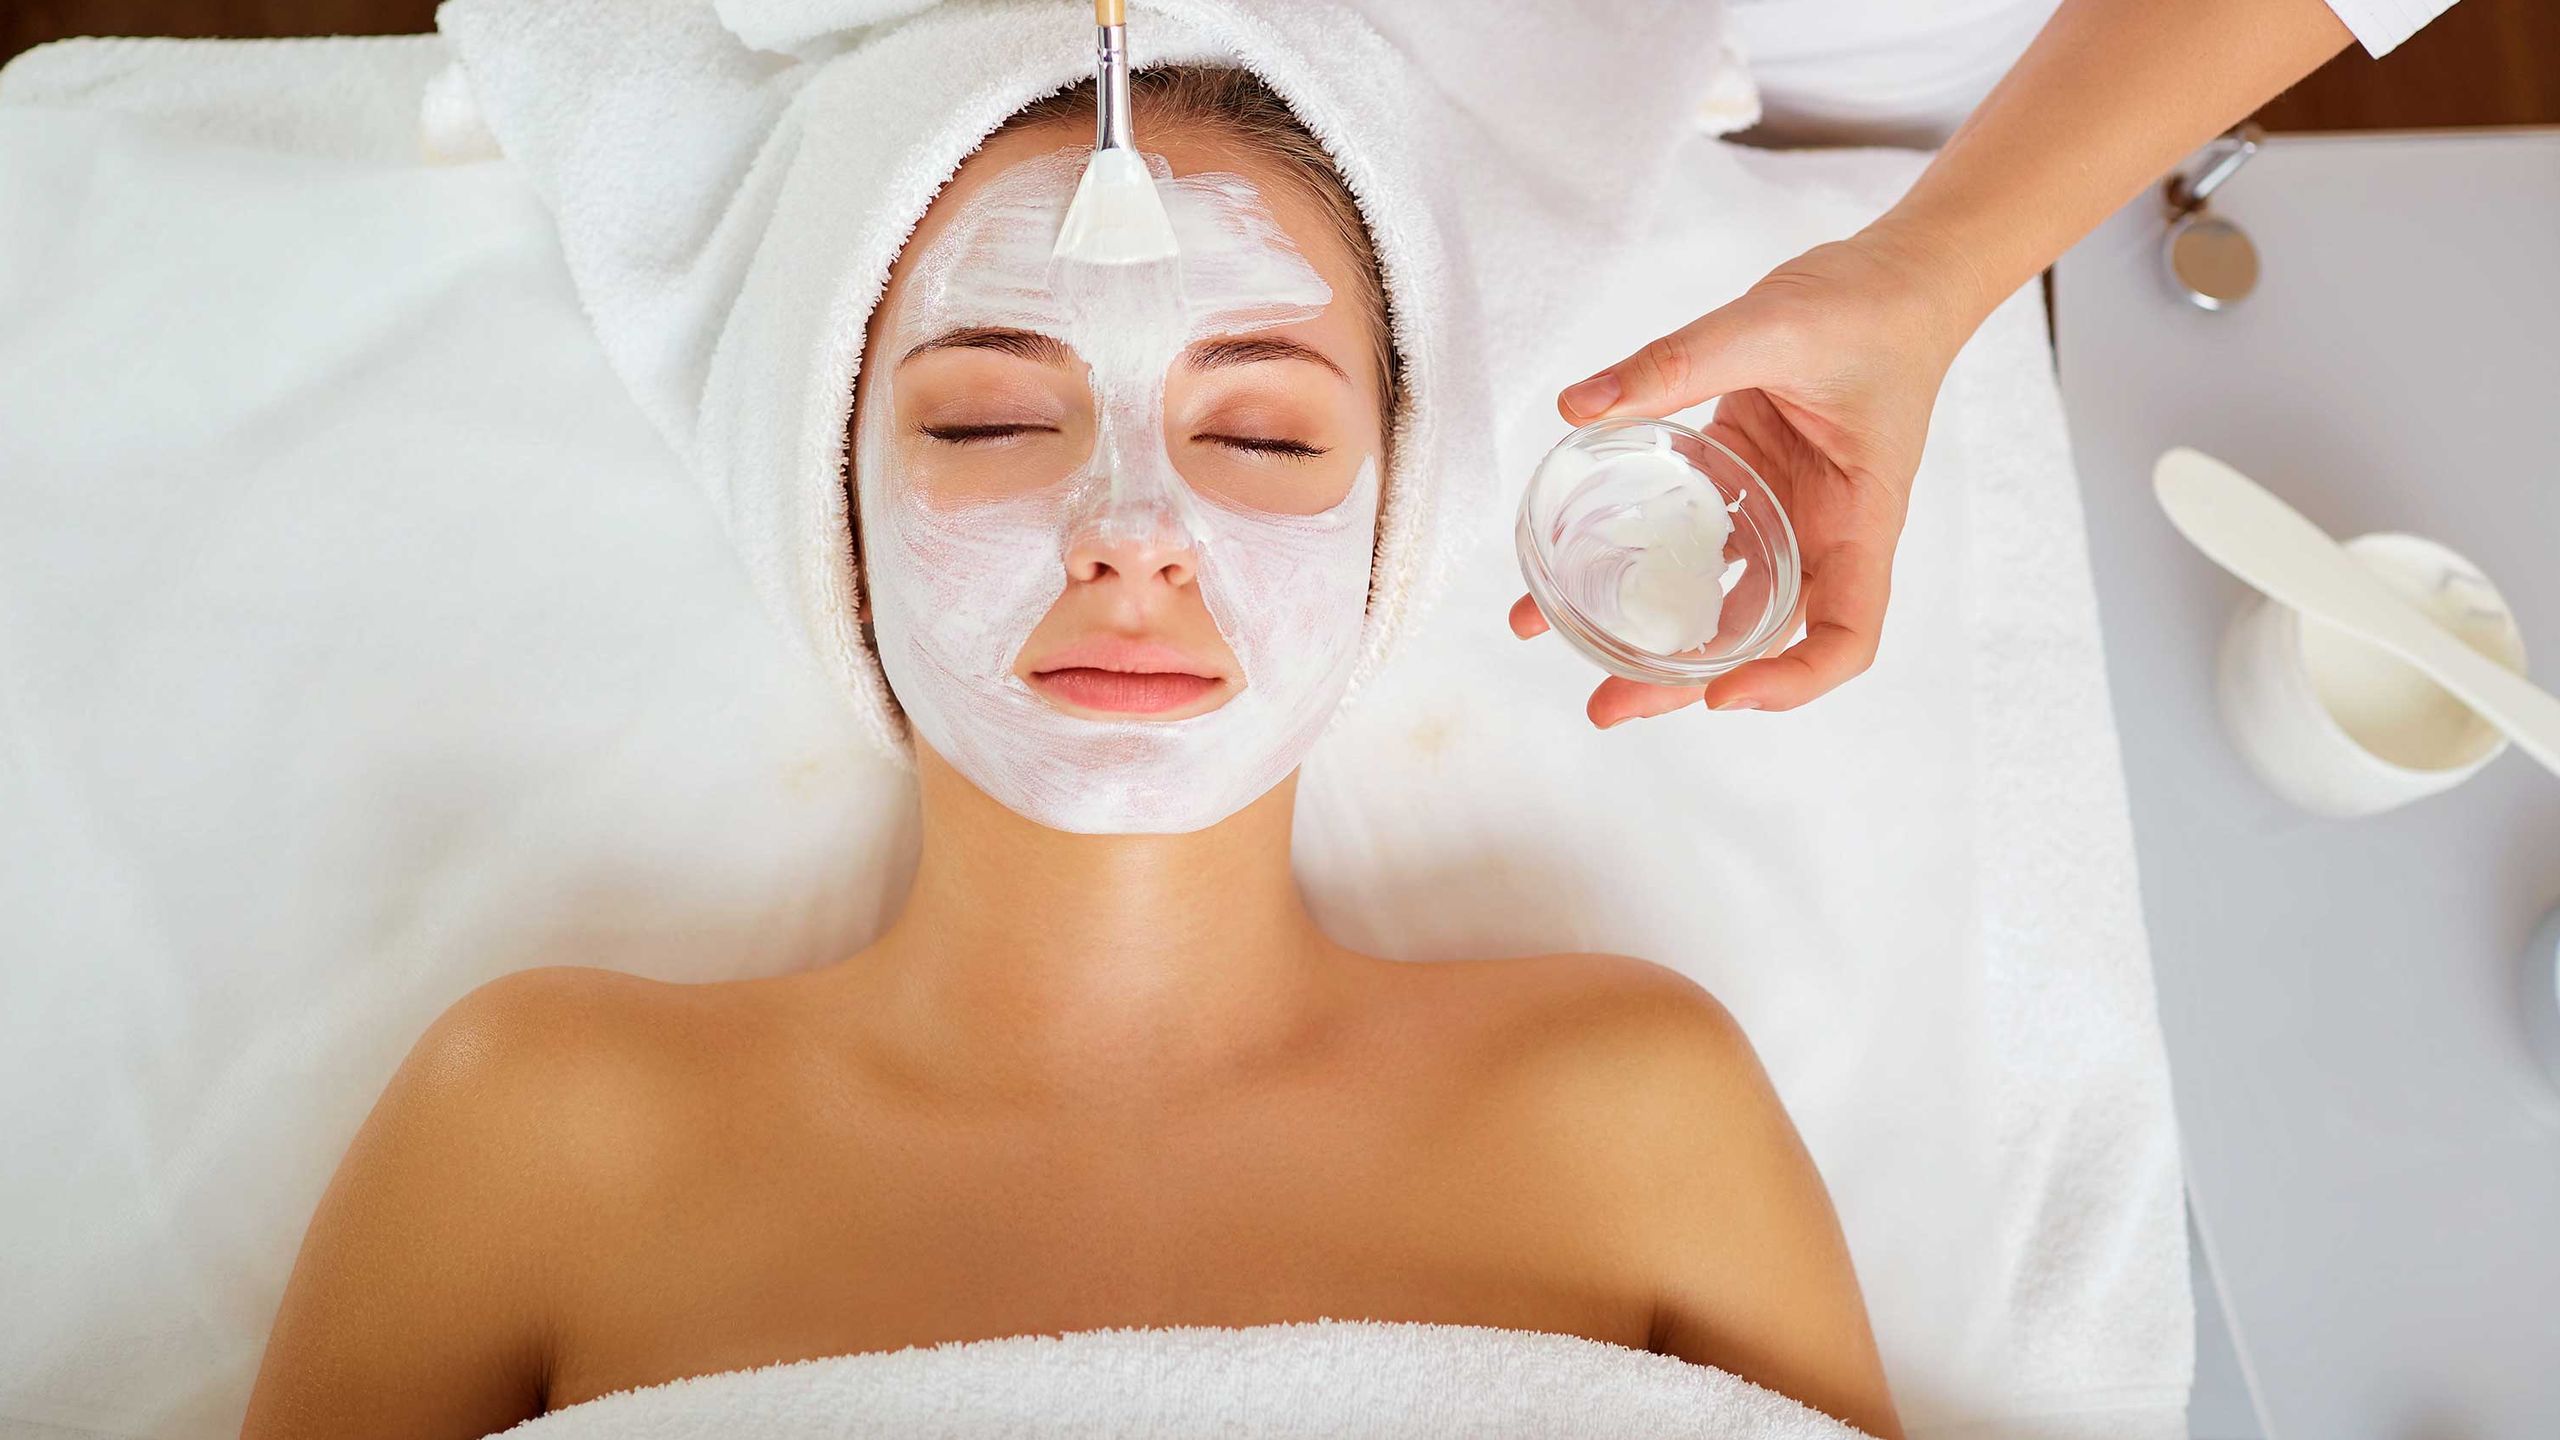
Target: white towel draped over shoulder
[{"x": 1377, "y": 1380}]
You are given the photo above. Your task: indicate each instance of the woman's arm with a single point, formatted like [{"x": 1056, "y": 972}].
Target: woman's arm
[
  {"x": 1711, "y": 1202},
  {"x": 2111, "y": 94},
  {"x": 1749, "y": 1269},
  {"x": 1834, "y": 360},
  {"x": 414, "y": 1306}
]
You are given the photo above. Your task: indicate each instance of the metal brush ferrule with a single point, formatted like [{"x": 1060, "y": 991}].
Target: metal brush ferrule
[{"x": 1111, "y": 88}]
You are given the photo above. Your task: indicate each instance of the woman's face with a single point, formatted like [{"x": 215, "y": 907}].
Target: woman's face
[{"x": 1117, "y": 521}]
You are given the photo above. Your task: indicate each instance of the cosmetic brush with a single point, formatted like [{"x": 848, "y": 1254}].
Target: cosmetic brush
[{"x": 1116, "y": 217}]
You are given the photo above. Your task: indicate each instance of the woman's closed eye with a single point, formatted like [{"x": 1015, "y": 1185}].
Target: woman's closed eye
[
  {"x": 1250, "y": 444},
  {"x": 1264, "y": 445},
  {"x": 980, "y": 434}
]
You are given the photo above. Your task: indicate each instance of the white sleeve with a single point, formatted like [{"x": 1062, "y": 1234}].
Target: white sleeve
[{"x": 2383, "y": 24}]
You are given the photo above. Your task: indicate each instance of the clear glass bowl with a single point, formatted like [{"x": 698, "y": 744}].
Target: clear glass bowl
[{"x": 1623, "y": 549}]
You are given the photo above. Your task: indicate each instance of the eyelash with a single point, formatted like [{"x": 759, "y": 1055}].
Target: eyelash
[{"x": 966, "y": 434}]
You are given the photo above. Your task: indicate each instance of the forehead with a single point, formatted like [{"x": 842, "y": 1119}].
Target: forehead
[
  {"x": 1233, "y": 206},
  {"x": 991, "y": 265}
]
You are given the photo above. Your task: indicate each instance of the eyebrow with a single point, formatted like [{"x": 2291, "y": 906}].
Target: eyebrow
[
  {"x": 1251, "y": 349},
  {"x": 1025, "y": 344},
  {"x": 1049, "y": 350}
]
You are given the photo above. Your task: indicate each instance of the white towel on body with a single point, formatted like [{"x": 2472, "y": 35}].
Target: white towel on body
[{"x": 1358, "y": 1380}]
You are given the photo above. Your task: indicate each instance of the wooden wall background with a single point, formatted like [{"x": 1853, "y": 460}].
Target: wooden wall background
[{"x": 2486, "y": 62}]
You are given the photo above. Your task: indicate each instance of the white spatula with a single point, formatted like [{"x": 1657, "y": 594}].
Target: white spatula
[{"x": 2261, "y": 539}]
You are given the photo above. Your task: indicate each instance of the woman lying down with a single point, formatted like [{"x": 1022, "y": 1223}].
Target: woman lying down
[{"x": 1104, "y": 1073}]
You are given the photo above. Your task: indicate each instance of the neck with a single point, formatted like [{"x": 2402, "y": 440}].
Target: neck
[{"x": 1022, "y": 947}]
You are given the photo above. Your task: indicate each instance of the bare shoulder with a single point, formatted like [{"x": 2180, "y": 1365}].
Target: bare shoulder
[
  {"x": 542, "y": 1103},
  {"x": 583, "y": 1079},
  {"x": 543, "y": 1034},
  {"x": 1636, "y": 1078},
  {"x": 1669, "y": 1095},
  {"x": 550, "y": 1021},
  {"x": 1619, "y": 1072},
  {"x": 524, "y": 1122},
  {"x": 1671, "y": 1061},
  {"x": 1626, "y": 1026}
]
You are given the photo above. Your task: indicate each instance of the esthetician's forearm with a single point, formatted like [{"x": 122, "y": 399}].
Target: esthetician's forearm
[{"x": 2110, "y": 95}]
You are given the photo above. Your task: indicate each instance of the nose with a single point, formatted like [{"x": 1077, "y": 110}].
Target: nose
[{"x": 1151, "y": 545}]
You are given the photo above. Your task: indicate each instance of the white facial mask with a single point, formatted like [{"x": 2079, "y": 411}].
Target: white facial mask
[{"x": 957, "y": 588}]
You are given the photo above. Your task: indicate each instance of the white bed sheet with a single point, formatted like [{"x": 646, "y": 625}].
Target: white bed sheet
[{"x": 359, "y": 642}]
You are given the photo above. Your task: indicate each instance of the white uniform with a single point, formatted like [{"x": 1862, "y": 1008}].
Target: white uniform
[{"x": 1900, "y": 72}]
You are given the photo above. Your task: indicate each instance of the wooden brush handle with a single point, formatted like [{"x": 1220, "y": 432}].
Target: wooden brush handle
[{"x": 1110, "y": 12}]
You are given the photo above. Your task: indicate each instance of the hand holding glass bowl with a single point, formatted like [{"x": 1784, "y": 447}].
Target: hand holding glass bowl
[
  {"x": 1657, "y": 552},
  {"x": 1828, "y": 369}
]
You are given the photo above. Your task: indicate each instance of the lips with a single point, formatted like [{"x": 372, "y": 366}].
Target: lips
[{"x": 1123, "y": 677}]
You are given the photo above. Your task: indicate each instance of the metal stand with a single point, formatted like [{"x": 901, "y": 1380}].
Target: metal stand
[{"x": 2209, "y": 260}]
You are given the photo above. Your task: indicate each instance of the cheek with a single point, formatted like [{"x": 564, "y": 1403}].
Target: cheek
[
  {"x": 1291, "y": 592},
  {"x": 957, "y": 589}
]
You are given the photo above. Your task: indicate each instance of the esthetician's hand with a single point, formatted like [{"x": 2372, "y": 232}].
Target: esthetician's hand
[{"x": 1829, "y": 368}]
